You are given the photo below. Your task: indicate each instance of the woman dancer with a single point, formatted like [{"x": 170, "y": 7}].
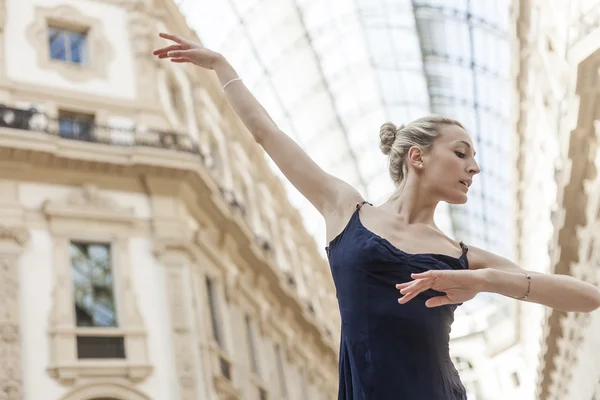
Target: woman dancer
[{"x": 395, "y": 348}]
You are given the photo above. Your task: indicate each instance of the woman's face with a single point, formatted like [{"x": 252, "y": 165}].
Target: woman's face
[{"x": 449, "y": 166}]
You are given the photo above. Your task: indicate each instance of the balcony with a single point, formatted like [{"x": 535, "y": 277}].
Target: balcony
[{"x": 88, "y": 131}]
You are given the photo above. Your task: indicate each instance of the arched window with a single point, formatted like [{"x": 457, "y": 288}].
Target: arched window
[{"x": 176, "y": 98}]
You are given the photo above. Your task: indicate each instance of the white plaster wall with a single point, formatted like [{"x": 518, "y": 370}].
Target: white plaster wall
[
  {"x": 37, "y": 280},
  {"x": 33, "y": 195},
  {"x": 22, "y": 64},
  {"x": 148, "y": 284}
]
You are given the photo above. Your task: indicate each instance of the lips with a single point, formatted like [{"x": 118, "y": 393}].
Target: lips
[{"x": 466, "y": 182}]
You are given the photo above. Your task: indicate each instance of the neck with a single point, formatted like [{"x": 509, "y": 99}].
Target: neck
[{"x": 410, "y": 205}]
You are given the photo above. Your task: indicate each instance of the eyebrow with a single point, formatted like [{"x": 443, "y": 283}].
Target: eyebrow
[{"x": 468, "y": 145}]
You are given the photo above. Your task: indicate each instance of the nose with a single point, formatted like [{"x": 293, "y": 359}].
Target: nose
[{"x": 474, "y": 169}]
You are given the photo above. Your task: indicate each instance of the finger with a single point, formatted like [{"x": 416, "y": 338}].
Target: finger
[
  {"x": 426, "y": 274},
  {"x": 180, "y": 53},
  {"x": 438, "y": 301},
  {"x": 180, "y": 60},
  {"x": 412, "y": 292},
  {"x": 415, "y": 285},
  {"x": 408, "y": 297},
  {"x": 174, "y": 38},
  {"x": 165, "y": 50},
  {"x": 403, "y": 285}
]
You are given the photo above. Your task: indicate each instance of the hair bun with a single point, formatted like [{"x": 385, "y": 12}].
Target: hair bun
[{"x": 387, "y": 136}]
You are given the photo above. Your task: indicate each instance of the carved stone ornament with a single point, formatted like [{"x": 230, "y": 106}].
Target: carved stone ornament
[
  {"x": 18, "y": 236},
  {"x": 87, "y": 201},
  {"x": 12, "y": 241},
  {"x": 98, "y": 50}
]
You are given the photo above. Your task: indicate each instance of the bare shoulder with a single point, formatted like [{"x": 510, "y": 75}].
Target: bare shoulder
[{"x": 339, "y": 211}]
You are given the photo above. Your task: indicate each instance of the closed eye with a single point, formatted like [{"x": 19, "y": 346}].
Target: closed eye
[{"x": 459, "y": 154}]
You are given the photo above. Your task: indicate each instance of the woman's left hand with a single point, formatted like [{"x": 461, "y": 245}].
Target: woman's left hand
[{"x": 459, "y": 286}]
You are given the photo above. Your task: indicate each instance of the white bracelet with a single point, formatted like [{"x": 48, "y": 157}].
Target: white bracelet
[{"x": 233, "y": 80}]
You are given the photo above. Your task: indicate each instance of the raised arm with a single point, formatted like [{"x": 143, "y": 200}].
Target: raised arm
[{"x": 325, "y": 192}]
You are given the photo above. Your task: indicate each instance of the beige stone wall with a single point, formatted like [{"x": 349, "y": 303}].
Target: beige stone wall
[
  {"x": 556, "y": 113},
  {"x": 175, "y": 214}
]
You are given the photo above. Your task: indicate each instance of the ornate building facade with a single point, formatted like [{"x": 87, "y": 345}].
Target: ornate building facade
[
  {"x": 557, "y": 60},
  {"x": 147, "y": 251}
]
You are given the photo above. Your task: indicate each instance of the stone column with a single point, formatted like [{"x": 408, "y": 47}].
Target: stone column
[
  {"x": 12, "y": 242},
  {"x": 179, "y": 304}
]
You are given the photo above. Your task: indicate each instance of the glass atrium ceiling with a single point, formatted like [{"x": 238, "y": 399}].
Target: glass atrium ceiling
[{"x": 331, "y": 72}]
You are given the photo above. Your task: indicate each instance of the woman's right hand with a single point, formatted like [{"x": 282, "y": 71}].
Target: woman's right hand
[{"x": 185, "y": 51}]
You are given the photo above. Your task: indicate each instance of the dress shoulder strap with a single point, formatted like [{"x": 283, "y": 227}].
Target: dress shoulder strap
[
  {"x": 463, "y": 258},
  {"x": 359, "y": 205}
]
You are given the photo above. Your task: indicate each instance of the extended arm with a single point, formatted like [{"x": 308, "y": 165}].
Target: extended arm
[
  {"x": 560, "y": 292},
  {"x": 323, "y": 190},
  {"x": 494, "y": 274}
]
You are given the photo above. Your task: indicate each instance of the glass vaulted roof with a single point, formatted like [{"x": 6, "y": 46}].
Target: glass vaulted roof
[{"x": 331, "y": 72}]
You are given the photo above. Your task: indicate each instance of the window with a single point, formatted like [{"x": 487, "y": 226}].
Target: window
[
  {"x": 462, "y": 364},
  {"x": 94, "y": 300},
  {"x": 71, "y": 42},
  {"x": 68, "y": 45},
  {"x": 251, "y": 346},
  {"x": 176, "y": 98},
  {"x": 223, "y": 362},
  {"x": 96, "y": 329},
  {"x": 93, "y": 285},
  {"x": 262, "y": 394},
  {"x": 212, "y": 304},
  {"x": 75, "y": 125},
  {"x": 279, "y": 362},
  {"x": 515, "y": 379}
]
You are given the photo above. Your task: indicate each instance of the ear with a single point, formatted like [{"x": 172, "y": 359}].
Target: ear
[{"x": 415, "y": 157}]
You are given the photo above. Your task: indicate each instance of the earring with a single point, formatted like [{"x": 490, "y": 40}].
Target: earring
[{"x": 421, "y": 165}]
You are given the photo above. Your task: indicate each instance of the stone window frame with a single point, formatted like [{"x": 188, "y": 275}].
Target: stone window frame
[
  {"x": 69, "y": 219},
  {"x": 99, "y": 51},
  {"x": 104, "y": 390}
]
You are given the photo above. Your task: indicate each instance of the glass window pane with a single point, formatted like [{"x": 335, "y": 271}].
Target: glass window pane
[
  {"x": 78, "y": 47},
  {"x": 57, "y": 43},
  {"x": 93, "y": 285}
]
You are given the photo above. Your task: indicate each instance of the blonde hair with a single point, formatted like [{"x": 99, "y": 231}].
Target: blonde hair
[{"x": 396, "y": 141}]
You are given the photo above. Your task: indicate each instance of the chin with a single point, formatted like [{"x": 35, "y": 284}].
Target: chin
[{"x": 456, "y": 199}]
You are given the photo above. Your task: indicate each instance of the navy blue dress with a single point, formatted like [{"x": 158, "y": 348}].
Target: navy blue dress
[{"x": 390, "y": 351}]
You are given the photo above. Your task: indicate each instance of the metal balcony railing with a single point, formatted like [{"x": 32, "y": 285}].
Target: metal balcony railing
[{"x": 88, "y": 131}]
